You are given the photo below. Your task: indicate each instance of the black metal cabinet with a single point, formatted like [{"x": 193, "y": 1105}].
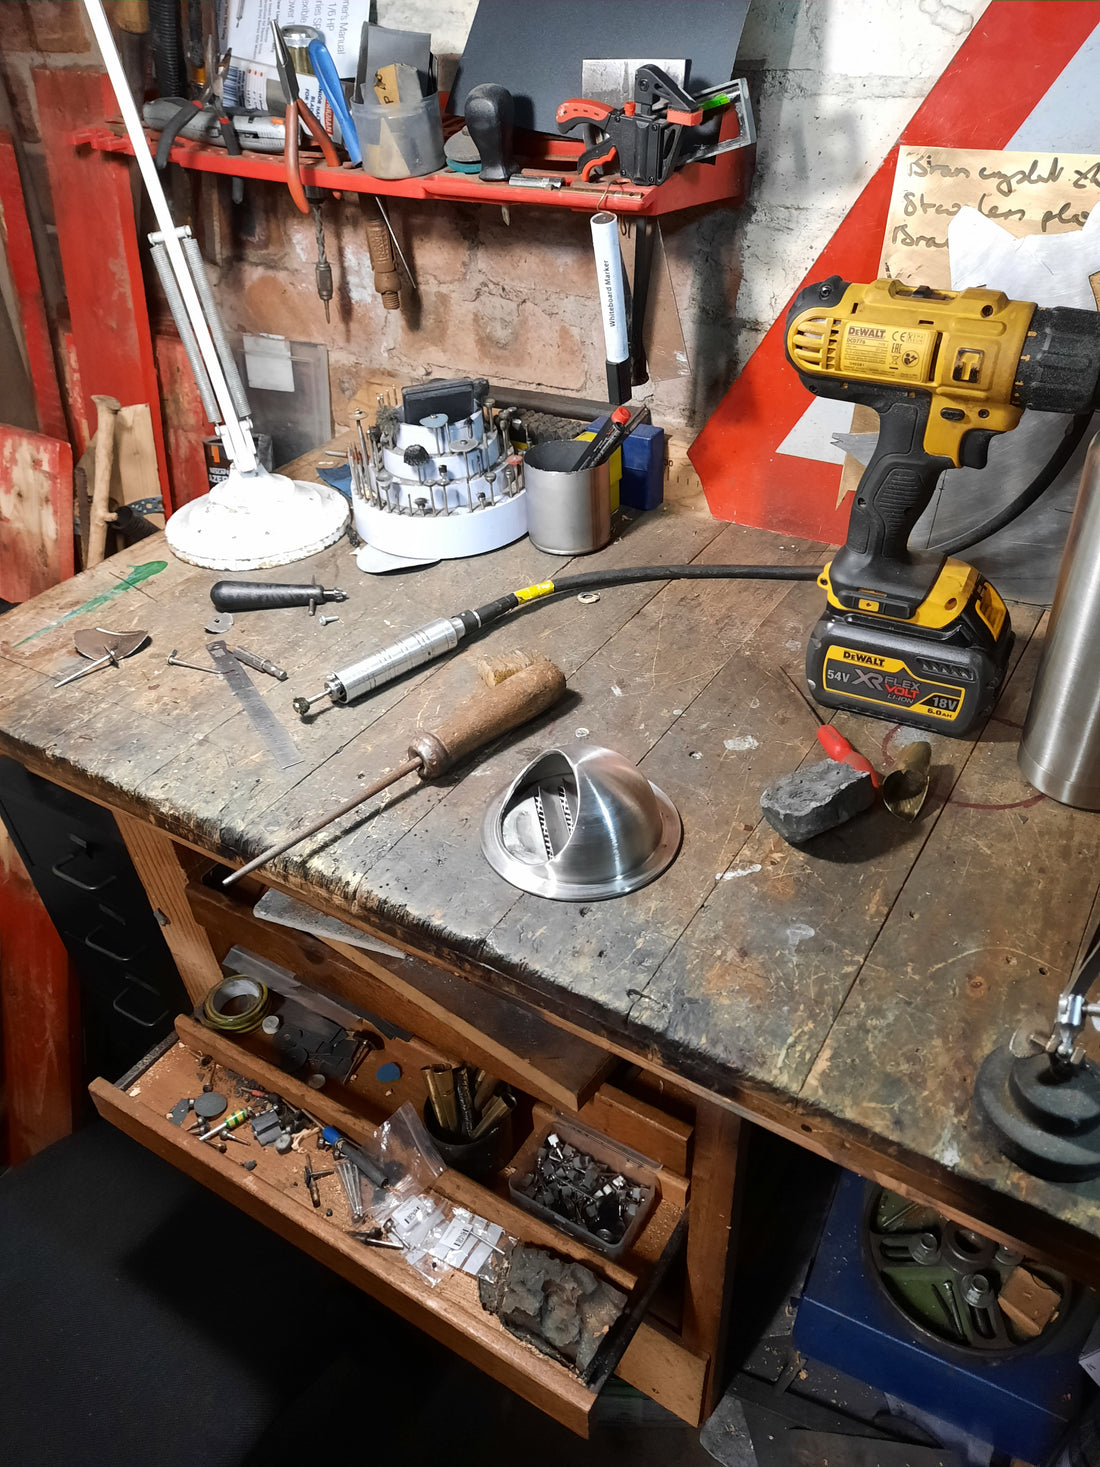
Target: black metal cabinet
[{"x": 129, "y": 987}]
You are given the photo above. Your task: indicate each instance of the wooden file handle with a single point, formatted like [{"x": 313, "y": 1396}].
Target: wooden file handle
[{"x": 487, "y": 714}]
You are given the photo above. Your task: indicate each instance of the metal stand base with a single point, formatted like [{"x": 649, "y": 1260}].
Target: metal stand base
[
  {"x": 252, "y": 521},
  {"x": 1048, "y": 1126}
]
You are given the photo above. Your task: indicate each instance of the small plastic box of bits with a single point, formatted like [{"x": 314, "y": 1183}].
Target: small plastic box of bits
[{"x": 585, "y": 1184}]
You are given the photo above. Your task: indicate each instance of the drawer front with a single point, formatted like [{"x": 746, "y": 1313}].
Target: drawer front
[{"x": 493, "y": 1030}]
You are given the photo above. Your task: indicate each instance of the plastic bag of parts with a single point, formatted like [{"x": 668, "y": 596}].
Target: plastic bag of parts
[
  {"x": 468, "y": 1242},
  {"x": 406, "y": 1154},
  {"x": 419, "y": 1221},
  {"x": 440, "y": 1237}
]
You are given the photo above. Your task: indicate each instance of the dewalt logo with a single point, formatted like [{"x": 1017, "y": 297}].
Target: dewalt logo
[
  {"x": 865, "y": 659},
  {"x": 867, "y": 333}
]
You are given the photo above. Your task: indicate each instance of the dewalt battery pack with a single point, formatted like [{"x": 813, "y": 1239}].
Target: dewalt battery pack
[{"x": 939, "y": 670}]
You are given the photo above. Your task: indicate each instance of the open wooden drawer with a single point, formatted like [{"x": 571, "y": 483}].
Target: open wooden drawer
[{"x": 274, "y": 1193}]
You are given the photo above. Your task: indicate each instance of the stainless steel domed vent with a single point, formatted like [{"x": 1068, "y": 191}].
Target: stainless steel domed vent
[{"x": 580, "y": 825}]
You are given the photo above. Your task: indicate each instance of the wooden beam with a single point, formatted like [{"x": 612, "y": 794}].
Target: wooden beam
[
  {"x": 661, "y": 1366},
  {"x": 715, "y": 1200},
  {"x": 157, "y": 862}
]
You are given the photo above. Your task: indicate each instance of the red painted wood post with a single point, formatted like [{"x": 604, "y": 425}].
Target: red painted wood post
[
  {"x": 93, "y": 203},
  {"x": 39, "y": 1029},
  {"x": 28, "y": 290}
]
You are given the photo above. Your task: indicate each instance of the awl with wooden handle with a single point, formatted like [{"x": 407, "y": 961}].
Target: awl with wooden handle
[{"x": 483, "y": 717}]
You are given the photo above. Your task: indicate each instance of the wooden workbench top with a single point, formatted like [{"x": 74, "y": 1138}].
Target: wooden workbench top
[{"x": 855, "y": 986}]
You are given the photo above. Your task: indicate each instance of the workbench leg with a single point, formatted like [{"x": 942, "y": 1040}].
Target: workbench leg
[
  {"x": 156, "y": 859},
  {"x": 39, "y": 1009},
  {"x": 717, "y": 1165}
]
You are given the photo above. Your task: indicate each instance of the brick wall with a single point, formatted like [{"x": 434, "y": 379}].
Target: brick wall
[{"x": 833, "y": 83}]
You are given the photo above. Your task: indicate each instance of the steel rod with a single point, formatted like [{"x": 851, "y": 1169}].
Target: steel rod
[
  {"x": 238, "y": 439},
  {"x": 409, "y": 766}
]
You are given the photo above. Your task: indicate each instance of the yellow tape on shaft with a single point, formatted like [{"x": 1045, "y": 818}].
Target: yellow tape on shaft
[{"x": 532, "y": 593}]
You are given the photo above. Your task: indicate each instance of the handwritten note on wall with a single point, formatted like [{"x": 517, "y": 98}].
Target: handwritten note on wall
[{"x": 1025, "y": 193}]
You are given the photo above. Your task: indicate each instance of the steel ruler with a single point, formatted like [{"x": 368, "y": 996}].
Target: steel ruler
[{"x": 279, "y": 744}]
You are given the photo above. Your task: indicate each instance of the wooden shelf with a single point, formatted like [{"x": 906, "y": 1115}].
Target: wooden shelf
[
  {"x": 484, "y": 1026},
  {"x": 722, "y": 181}
]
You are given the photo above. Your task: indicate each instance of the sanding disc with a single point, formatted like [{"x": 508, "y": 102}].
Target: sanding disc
[{"x": 210, "y": 1104}]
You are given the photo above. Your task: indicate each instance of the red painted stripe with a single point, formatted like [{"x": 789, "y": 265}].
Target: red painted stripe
[
  {"x": 100, "y": 255},
  {"x": 28, "y": 289},
  {"x": 998, "y": 76}
]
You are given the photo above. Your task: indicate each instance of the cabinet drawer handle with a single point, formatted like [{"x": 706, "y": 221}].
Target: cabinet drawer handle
[
  {"x": 106, "y": 952},
  {"x": 63, "y": 875},
  {"x": 135, "y": 1018}
]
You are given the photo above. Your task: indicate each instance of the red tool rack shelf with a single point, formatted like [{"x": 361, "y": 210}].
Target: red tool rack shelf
[{"x": 721, "y": 181}]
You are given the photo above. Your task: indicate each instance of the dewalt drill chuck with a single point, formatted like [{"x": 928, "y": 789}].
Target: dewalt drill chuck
[{"x": 914, "y": 636}]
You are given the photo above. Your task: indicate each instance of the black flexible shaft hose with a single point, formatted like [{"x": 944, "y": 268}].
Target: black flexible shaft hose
[
  {"x": 483, "y": 616},
  {"x": 635, "y": 573},
  {"x": 1076, "y": 429}
]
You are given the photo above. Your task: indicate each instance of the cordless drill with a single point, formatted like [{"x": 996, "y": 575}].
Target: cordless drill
[{"x": 915, "y": 636}]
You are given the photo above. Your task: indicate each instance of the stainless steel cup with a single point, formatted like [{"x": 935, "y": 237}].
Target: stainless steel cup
[
  {"x": 568, "y": 513},
  {"x": 1060, "y": 745}
]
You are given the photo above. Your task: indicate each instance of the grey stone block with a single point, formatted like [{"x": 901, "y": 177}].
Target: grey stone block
[{"x": 815, "y": 799}]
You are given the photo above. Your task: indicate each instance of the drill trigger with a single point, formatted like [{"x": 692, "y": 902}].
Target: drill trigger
[{"x": 974, "y": 448}]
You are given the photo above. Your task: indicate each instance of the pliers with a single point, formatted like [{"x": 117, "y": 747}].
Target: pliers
[
  {"x": 208, "y": 101},
  {"x": 297, "y": 110}
]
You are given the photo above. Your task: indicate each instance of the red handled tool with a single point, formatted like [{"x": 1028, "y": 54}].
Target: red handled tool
[
  {"x": 617, "y": 427},
  {"x": 836, "y": 746},
  {"x": 296, "y": 110},
  {"x": 305, "y": 198}
]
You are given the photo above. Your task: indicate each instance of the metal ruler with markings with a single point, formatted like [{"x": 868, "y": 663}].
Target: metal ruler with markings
[{"x": 279, "y": 744}]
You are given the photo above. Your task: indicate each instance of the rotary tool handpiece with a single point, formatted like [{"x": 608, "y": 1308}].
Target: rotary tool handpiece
[{"x": 486, "y": 715}]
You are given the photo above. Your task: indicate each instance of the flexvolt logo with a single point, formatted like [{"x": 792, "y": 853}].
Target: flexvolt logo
[{"x": 867, "y": 333}]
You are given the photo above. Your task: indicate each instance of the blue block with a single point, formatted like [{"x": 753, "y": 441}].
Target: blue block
[
  {"x": 643, "y": 481},
  {"x": 1020, "y": 1403}
]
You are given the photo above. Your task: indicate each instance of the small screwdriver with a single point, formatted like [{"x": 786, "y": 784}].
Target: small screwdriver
[{"x": 836, "y": 746}]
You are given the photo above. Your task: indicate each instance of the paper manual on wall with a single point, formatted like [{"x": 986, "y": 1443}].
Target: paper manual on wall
[
  {"x": 246, "y": 27},
  {"x": 1000, "y": 210}
]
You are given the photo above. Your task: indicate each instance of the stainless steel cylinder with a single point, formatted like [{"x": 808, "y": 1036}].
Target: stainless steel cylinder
[
  {"x": 1060, "y": 745},
  {"x": 431, "y": 640},
  {"x": 568, "y": 513}
]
